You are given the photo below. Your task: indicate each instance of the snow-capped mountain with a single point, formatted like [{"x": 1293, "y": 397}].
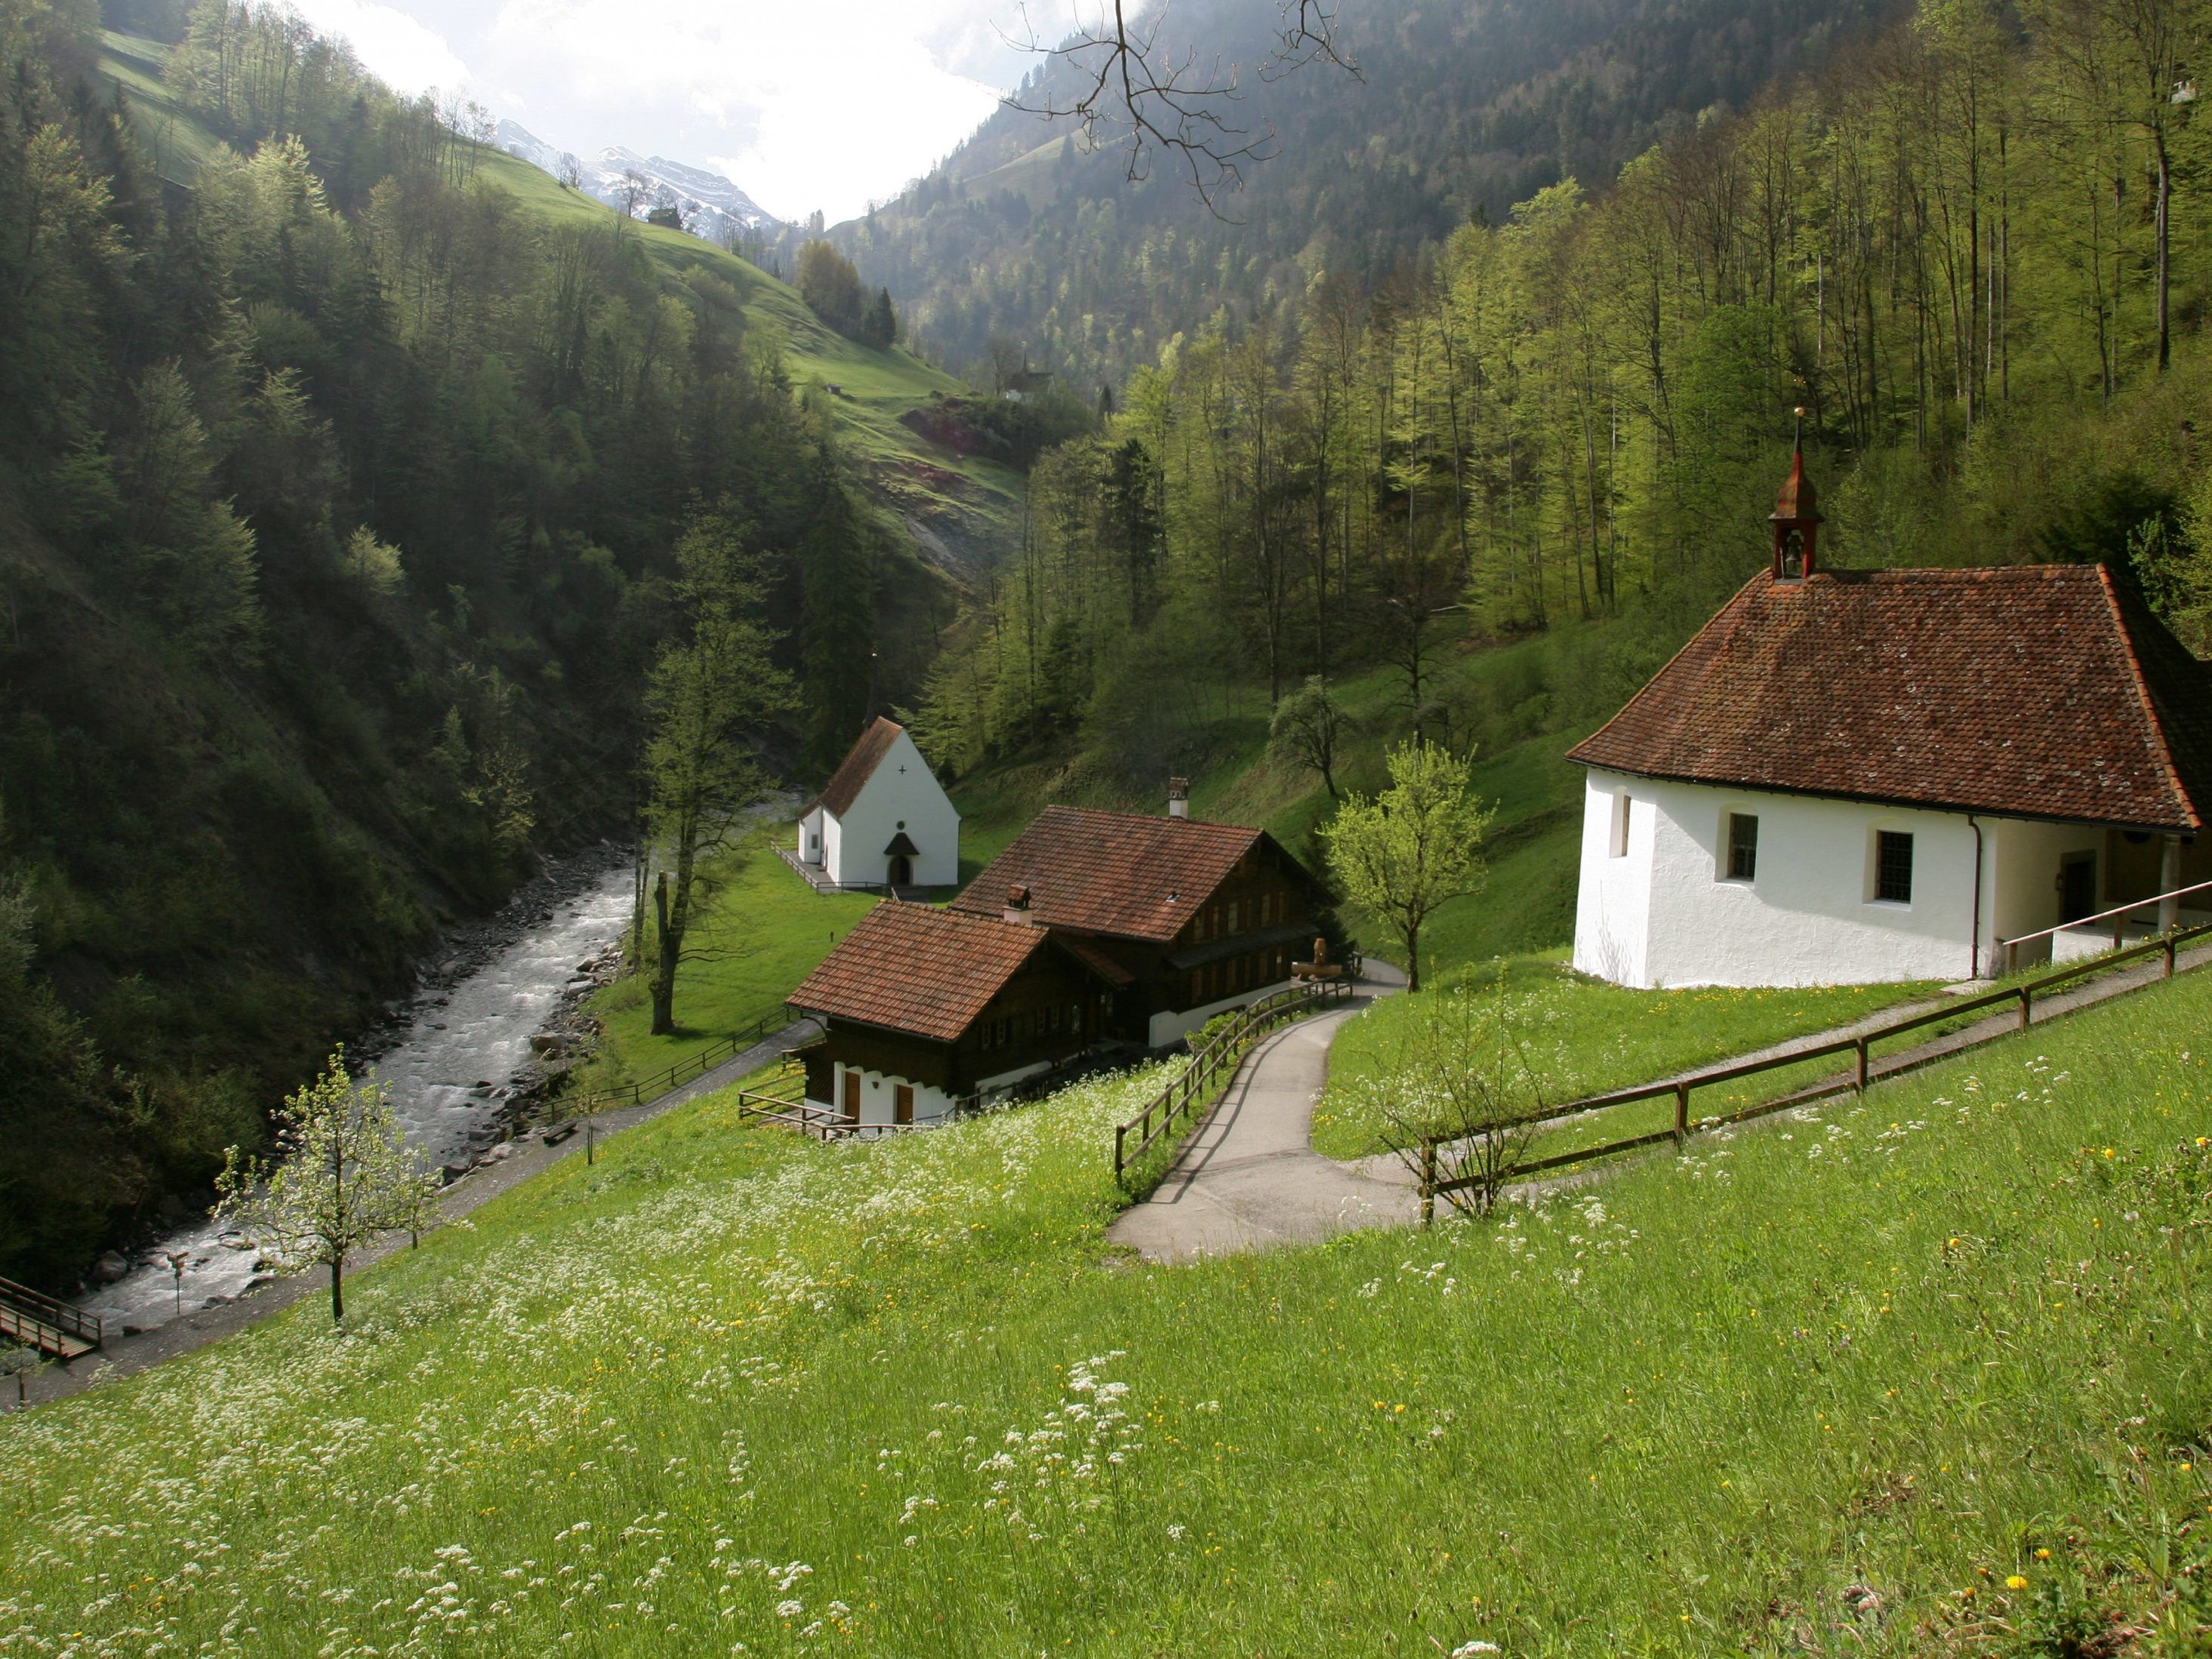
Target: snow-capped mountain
[{"x": 712, "y": 207}]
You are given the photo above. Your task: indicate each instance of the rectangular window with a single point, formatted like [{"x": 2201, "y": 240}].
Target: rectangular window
[
  {"x": 1743, "y": 847},
  {"x": 1893, "y": 867},
  {"x": 1232, "y": 916},
  {"x": 1620, "y": 825}
]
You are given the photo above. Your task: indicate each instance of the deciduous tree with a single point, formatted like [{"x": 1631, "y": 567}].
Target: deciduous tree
[
  {"x": 1400, "y": 854},
  {"x": 342, "y": 1175}
]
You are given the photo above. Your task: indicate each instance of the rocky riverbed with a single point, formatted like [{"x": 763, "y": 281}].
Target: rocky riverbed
[{"x": 460, "y": 1055}]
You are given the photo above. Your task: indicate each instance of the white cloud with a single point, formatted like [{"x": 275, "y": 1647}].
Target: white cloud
[
  {"x": 805, "y": 105},
  {"x": 394, "y": 47}
]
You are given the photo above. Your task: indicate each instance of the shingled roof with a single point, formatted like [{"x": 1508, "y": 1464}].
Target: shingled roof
[
  {"x": 913, "y": 968},
  {"x": 853, "y": 771},
  {"x": 2044, "y": 691},
  {"x": 1130, "y": 875}
]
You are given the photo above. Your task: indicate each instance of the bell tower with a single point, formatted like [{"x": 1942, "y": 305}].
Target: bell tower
[{"x": 1795, "y": 520}]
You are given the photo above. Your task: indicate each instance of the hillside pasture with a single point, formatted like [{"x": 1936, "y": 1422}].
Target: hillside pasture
[{"x": 1925, "y": 1374}]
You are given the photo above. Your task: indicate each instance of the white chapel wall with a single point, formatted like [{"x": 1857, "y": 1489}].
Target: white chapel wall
[
  {"x": 1808, "y": 916},
  {"x": 853, "y": 844}
]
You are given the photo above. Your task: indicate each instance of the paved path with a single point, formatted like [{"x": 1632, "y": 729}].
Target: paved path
[
  {"x": 1249, "y": 1177},
  {"x": 530, "y": 1155}
]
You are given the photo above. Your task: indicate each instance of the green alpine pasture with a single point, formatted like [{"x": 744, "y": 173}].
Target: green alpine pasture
[
  {"x": 1925, "y": 1374},
  {"x": 761, "y": 930}
]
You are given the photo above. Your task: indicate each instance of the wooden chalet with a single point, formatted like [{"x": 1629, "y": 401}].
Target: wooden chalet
[
  {"x": 922, "y": 1008},
  {"x": 1184, "y": 918},
  {"x": 1091, "y": 930}
]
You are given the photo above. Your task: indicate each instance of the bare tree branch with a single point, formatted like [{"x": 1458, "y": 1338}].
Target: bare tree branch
[{"x": 1128, "y": 89}]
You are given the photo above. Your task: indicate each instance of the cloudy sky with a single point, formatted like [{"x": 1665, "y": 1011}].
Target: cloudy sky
[{"x": 807, "y": 104}]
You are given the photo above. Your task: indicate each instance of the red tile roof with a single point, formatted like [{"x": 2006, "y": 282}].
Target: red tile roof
[
  {"x": 2033, "y": 690},
  {"x": 1128, "y": 874},
  {"x": 913, "y": 968},
  {"x": 853, "y": 771}
]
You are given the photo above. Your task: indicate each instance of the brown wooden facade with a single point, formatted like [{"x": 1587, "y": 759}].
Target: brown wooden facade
[{"x": 1050, "y": 1010}]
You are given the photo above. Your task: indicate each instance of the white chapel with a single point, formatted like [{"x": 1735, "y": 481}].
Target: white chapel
[
  {"x": 1858, "y": 775},
  {"x": 883, "y": 820}
]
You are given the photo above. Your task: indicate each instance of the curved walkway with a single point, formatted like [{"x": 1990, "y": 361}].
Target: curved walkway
[{"x": 1249, "y": 1177}]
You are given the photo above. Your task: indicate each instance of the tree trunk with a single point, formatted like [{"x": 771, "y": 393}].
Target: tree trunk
[
  {"x": 2160, "y": 222},
  {"x": 1413, "y": 957},
  {"x": 664, "y": 975},
  {"x": 337, "y": 1289}
]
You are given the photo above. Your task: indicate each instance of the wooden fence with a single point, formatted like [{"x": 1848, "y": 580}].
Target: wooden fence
[
  {"x": 1213, "y": 1063},
  {"x": 1859, "y": 1047},
  {"x": 675, "y": 1077}
]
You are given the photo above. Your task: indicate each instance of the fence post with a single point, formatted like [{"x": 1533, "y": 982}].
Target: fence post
[
  {"x": 590, "y": 1137},
  {"x": 2024, "y": 996},
  {"x": 1428, "y": 1183},
  {"x": 2169, "y": 956},
  {"x": 1862, "y": 1065},
  {"x": 1682, "y": 1110},
  {"x": 1121, "y": 1135}
]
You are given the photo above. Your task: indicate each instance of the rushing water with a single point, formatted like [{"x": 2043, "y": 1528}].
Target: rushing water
[{"x": 455, "y": 1051}]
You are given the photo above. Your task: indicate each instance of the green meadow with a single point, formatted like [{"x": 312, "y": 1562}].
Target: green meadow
[
  {"x": 1926, "y": 1373},
  {"x": 1579, "y": 1036}
]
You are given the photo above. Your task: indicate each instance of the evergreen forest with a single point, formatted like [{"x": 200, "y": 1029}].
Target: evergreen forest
[{"x": 339, "y": 487}]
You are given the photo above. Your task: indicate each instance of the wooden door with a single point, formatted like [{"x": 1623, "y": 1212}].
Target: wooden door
[
  {"x": 852, "y": 1096},
  {"x": 2077, "y": 887},
  {"x": 902, "y": 1102}
]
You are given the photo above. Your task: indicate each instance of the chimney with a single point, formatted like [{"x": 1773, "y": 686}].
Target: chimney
[
  {"x": 1178, "y": 798},
  {"x": 1017, "y": 906}
]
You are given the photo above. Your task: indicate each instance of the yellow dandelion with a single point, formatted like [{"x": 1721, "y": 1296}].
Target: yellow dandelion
[{"x": 2015, "y": 1582}]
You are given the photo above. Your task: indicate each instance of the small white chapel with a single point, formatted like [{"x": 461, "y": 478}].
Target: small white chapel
[
  {"x": 883, "y": 820},
  {"x": 1859, "y": 775}
]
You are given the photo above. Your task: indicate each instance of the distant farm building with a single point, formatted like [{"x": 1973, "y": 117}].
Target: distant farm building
[{"x": 1094, "y": 930}]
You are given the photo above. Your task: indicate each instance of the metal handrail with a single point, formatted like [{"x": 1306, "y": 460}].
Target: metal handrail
[
  {"x": 1859, "y": 1047},
  {"x": 2011, "y": 946}
]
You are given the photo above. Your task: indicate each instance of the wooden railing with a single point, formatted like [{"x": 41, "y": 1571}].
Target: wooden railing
[
  {"x": 1859, "y": 1047},
  {"x": 2117, "y": 916},
  {"x": 682, "y": 1071},
  {"x": 1212, "y": 1064},
  {"x": 39, "y": 1322}
]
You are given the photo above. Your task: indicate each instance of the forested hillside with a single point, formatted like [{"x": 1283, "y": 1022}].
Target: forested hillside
[
  {"x": 341, "y": 461},
  {"x": 1459, "y": 109},
  {"x": 1976, "y": 252}
]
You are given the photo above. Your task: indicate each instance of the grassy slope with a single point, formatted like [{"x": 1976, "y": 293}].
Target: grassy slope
[
  {"x": 1583, "y": 1037},
  {"x": 969, "y": 501},
  {"x": 1527, "y": 903},
  {"x": 727, "y": 1385},
  {"x": 761, "y": 933}
]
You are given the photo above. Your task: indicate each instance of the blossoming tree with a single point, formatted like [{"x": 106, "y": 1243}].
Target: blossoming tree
[{"x": 343, "y": 1173}]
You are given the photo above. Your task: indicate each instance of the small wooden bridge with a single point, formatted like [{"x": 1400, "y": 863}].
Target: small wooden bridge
[{"x": 31, "y": 1320}]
